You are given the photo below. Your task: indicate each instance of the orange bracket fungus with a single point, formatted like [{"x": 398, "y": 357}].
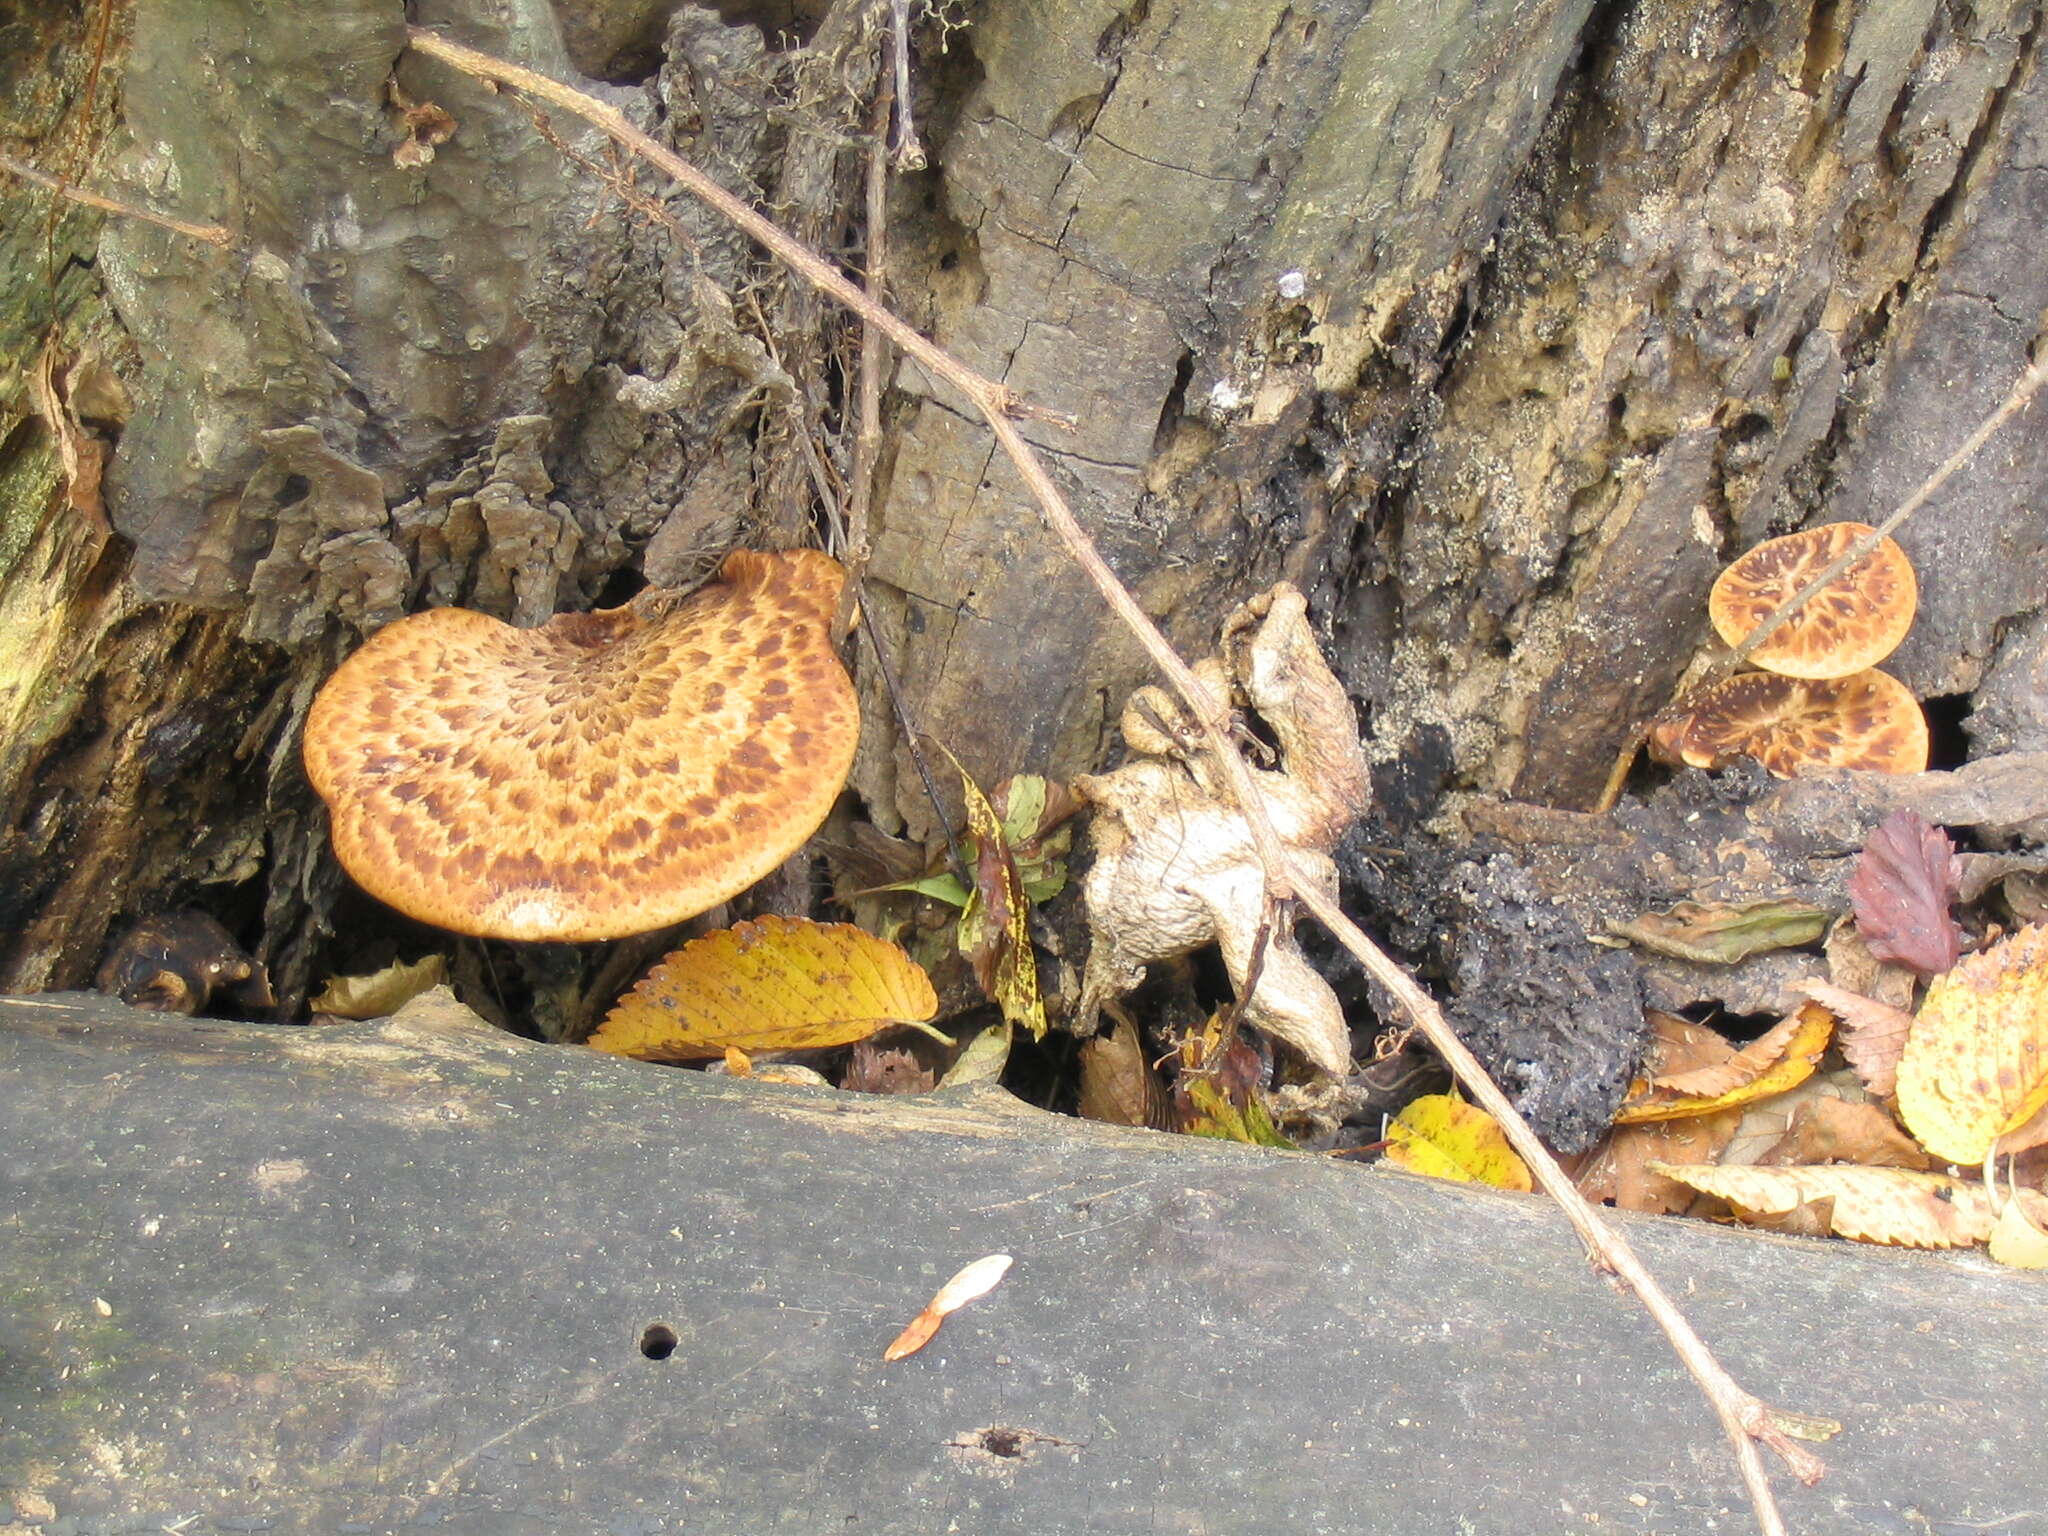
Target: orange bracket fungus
[
  {"x": 1818, "y": 704},
  {"x": 1796, "y": 725},
  {"x": 604, "y": 774},
  {"x": 1853, "y": 623}
]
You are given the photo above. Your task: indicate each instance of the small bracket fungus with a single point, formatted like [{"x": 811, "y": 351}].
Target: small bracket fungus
[
  {"x": 604, "y": 774},
  {"x": 1796, "y": 726},
  {"x": 1852, "y": 624},
  {"x": 1175, "y": 866}
]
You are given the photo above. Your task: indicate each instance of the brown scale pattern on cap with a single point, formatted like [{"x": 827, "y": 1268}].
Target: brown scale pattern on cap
[
  {"x": 604, "y": 774},
  {"x": 1852, "y": 624},
  {"x": 1798, "y": 725}
]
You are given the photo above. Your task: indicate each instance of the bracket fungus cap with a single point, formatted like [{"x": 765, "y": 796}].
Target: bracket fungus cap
[
  {"x": 1798, "y": 725},
  {"x": 1852, "y": 624},
  {"x": 604, "y": 774}
]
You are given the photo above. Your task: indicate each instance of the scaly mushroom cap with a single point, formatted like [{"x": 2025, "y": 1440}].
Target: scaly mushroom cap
[
  {"x": 1854, "y": 623},
  {"x": 604, "y": 774},
  {"x": 1796, "y": 725}
]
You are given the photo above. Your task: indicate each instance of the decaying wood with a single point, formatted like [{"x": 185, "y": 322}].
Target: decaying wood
[
  {"x": 1746, "y": 1419},
  {"x": 1507, "y": 329},
  {"x": 364, "y": 1263}
]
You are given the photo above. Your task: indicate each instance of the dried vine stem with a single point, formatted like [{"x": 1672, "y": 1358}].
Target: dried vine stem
[
  {"x": 212, "y": 234},
  {"x": 1746, "y": 1418}
]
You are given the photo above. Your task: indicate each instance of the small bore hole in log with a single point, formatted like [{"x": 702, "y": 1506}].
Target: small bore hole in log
[{"x": 658, "y": 1341}]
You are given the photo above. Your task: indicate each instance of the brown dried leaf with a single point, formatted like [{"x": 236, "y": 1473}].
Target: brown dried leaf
[
  {"x": 1872, "y": 1035},
  {"x": 1809, "y": 1218},
  {"x": 1871, "y": 1205},
  {"x": 1618, "y": 1169},
  {"x": 1902, "y": 888},
  {"x": 1852, "y": 967},
  {"x": 1118, "y": 1085},
  {"x": 80, "y": 454},
  {"x": 1832, "y": 1130},
  {"x": 886, "y": 1069},
  {"x": 380, "y": 993}
]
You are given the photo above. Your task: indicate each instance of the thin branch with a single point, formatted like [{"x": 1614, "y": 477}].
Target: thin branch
[
  {"x": 903, "y": 145},
  {"x": 1744, "y": 1416},
  {"x": 212, "y": 234},
  {"x": 874, "y": 353}
]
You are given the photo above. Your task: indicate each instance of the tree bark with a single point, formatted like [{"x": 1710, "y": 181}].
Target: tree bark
[{"x": 1499, "y": 328}]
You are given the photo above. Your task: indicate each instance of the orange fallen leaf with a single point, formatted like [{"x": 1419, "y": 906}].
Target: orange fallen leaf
[
  {"x": 1782, "y": 1058},
  {"x": 1444, "y": 1137},
  {"x": 1976, "y": 1061},
  {"x": 1618, "y": 1168},
  {"x": 977, "y": 1279},
  {"x": 1873, "y": 1033},
  {"x": 775, "y": 984},
  {"x": 1871, "y": 1205}
]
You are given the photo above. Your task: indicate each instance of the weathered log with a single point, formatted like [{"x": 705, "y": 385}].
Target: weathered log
[{"x": 389, "y": 1277}]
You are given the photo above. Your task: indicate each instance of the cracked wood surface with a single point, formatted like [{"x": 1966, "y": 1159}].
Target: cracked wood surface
[{"x": 1122, "y": 195}]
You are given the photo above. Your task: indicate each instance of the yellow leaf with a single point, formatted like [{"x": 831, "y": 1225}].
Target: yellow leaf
[
  {"x": 380, "y": 993},
  {"x": 995, "y": 925},
  {"x": 1976, "y": 1060},
  {"x": 776, "y": 984},
  {"x": 2016, "y": 1241},
  {"x": 1872, "y": 1205},
  {"x": 1794, "y": 1045},
  {"x": 1212, "y": 1113},
  {"x": 1447, "y": 1138}
]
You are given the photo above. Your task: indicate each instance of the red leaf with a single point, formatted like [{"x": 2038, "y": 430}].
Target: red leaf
[{"x": 1902, "y": 888}]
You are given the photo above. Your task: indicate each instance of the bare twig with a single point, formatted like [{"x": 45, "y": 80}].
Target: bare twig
[
  {"x": 874, "y": 358},
  {"x": 904, "y": 148},
  {"x": 212, "y": 234},
  {"x": 1745, "y": 1417},
  {"x": 829, "y": 500}
]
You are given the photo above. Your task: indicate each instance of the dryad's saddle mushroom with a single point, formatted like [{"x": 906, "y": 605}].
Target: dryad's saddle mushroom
[
  {"x": 607, "y": 773},
  {"x": 1797, "y": 725},
  {"x": 1856, "y": 621},
  {"x": 1819, "y": 704}
]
